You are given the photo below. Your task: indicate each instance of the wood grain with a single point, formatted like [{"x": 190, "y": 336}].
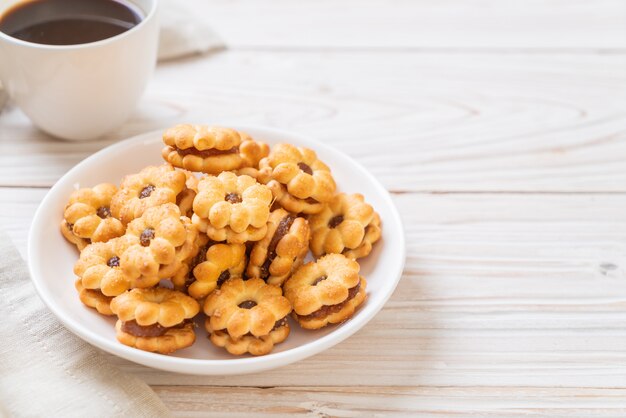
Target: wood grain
[
  {"x": 448, "y": 24},
  {"x": 419, "y": 122},
  {"x": 499, "y": 290},
  {"x": 499, "y": 126},
  {"x": 390, "y": 401}
]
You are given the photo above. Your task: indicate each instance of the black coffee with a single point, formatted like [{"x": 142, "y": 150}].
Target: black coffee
[{"x": 69, "y": 22}]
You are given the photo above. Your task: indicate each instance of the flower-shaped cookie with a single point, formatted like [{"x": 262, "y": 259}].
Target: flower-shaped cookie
[
  {"x": 232, "y": 208},
  {"x": 184, "y": 200},
  {"x": 184, "y": 253},
  {"x": 222, "y": 262},
  {"x": 327, "y": 291},
  {"x": 247, "y": 316},
  {"x": 372, "y": 234},
  {"x": 94, "y": 298},
  {"x": 163, "y": 240},
  {"x": 87, "y": 216},
  {"x": 256, "y": 346},
  {"x": 347, "y": 225},
  {"x": 152, "y": 186},
  {"x": 209, "y": 149},
  {"x": 283, "y": 249},
  {"x": 99, "y": 267},
  {"x": 299, "y": 181},
  {"x": 157, "y": 320},
  {"x": 252, "y": 152},
  {"x": 183, "y": 276}
]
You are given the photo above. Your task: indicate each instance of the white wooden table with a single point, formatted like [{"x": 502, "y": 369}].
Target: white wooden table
[{"x": 500, "y": 129}]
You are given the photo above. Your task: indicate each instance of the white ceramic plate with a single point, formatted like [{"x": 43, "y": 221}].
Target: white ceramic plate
[{"x": 51, "y": 260}]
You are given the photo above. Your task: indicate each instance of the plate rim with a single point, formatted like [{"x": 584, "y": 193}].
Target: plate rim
[{"x": 241, "y": 365}]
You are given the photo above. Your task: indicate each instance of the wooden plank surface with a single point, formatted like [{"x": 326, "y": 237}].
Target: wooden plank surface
[
  {"x": 499, "y": 290},
  {"x": 391, "y": 401},
  {"x": 499, "y": 128},
  {"x": 421, "y": 24},
  {"x": 419, "y": 122}
]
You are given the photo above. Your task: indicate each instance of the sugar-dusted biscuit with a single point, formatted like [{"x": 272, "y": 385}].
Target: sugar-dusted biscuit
[
  {"x": 186, "y": 252},
  {"x": 163, "y": 240},
  {"x": 257, "y": 346},
  {"x": 283, "y": 249},
  {"x": 94, "y": 298},
  {"x": 300, "y": 182},
  {"x": 152, "y": 186},
  {"x": 372, "y": 234},
  {"x": 208, "y": 149},
  {"x": 232, "y": 208},
  {"x": 184, "y": 200},
  {"x": 183, "y": 276},
  {"x": 157, "y": 319},
  {"x": 347, "y": 225},
  {"x": 247, "y": 316},
  {"x": 87, "y": 216},
  {"x": 327, "y": 291},
  {"x": 221, "y": 262},
  {"x": 168, "y": 243},
  {"x": 252, "y": 151},
  {"x": 99, "y": 267}
]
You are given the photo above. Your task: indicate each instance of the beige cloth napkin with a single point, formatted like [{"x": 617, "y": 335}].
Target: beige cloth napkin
[
  {"x": 46, "y": 371},
  {"x": 183, "y": 32}
]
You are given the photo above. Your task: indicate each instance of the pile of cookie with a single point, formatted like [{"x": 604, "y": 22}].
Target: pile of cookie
[{"x": 222, "y": 227}]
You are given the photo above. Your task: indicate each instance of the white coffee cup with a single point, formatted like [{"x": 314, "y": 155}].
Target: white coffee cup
[{"x": 81, "y": 91}]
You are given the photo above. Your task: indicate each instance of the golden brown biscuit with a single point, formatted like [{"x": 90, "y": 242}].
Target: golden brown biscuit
[
  {"x": 151, "y": 339},
  {"x": 221, "y": 262},
  {"x": 186, "y": 252},
  {"x": 232, "y": 208},
  {"x": 252, "y": 152},
  {"x": 157, "y": 319},
  {"x": 87, "y": 217},
  {"x": 99, "y": 267},
  {"x": 255, "y": 173},
  {"x": 327, "y": 291},
  {"x": 256, "y": 346},
  {"x": 209, "y": 149},
  {"x": 163, "y": 240},
  {"x": 68, "y": 234},
  {"x": 347, "y": 225},
  {"x": 152, "y": 186},
  {"x": 247, "y": 316},
  {"x": 283, "y": 249},
  {"x": 166, "y": 307},
  {"x": 300, "y": 182},
  {"x": 94, "y": 298},
  {"x": 184, "y": 200},
  {"x": 372, "y": 234},
  {"x": 183, "y": 277}
]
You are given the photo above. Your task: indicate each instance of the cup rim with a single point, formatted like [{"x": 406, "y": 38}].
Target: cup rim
[{"x": 149, "y": 16}]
